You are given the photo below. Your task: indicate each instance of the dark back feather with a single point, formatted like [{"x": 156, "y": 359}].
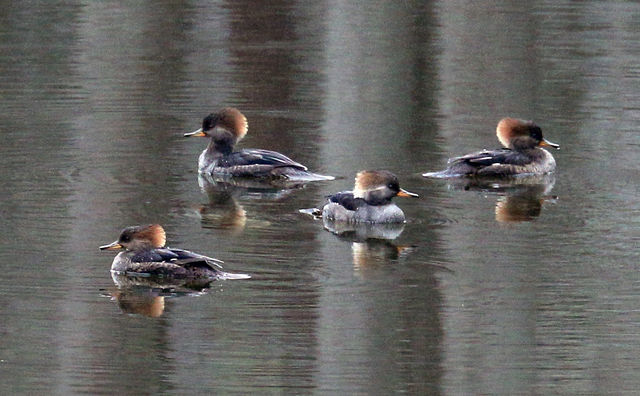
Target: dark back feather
[
  {"x": 250, "y": 157},
  {"x": 484, "y": 158},
  {"x": 179, "y": 257},
  {"x": 347, "y": 200}
]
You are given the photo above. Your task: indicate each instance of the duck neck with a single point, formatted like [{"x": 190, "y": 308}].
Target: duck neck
[
  {"x": 376, "y": 198},
  {"x": 219, "y": 148},
  {"x": 524, "y": 144},
  {"x": 532, "y": 152}
]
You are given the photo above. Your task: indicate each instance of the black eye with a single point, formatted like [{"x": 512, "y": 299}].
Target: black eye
[{"x": 125, "y": 238}]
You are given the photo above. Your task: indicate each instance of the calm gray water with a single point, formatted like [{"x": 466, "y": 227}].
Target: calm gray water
[{"x": 489, "y": 289}]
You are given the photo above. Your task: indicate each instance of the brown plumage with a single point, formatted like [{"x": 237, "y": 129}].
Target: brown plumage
[
  {"x": 145, "y": 253},
  {"x": 225, "y": 129},
  {"x": 523, "y": 154}
]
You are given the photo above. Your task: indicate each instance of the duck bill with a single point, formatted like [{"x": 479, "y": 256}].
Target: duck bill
[
  {"x": 405, "y": 193},
  {"x": 112, "y": 246},
  {"x": 546, "y": 143},
  {"x": 199, "y": 132}
]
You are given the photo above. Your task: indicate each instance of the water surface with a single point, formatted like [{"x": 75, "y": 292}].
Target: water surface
[{"x": 490, "y": 289}]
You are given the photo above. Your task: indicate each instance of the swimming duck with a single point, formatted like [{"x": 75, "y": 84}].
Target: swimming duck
[
  {"x": 145, "y": 254},
  {"x": 370, "y": 200},
  {"x": 228, "y": 127},
  {"x": 522, "y": 154}
]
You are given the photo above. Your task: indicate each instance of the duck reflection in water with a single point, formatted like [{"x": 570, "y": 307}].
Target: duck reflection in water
[
  {"x": 144, "y": 297},
  {"x": 224, "y": 210},
  {"x": 143, "y": 301},
  {"x": 363, "y": 231},
  {"x": 371, "y": 244},
  {"x": 519, "y": 199},
  {"x": 373, "y": 252}
]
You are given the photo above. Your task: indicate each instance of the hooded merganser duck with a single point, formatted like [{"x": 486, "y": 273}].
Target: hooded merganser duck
[
  {"x": 228, "y": 127},
  {"x": 146, "y": 255},
  {"x": 523, "y": 154},
  {"x": 370, "y": 200}
]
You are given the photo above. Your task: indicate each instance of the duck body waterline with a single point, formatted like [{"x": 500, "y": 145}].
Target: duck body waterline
[
  {"x": 254, "y": 163},
  {"x": 344, "y": 207}
]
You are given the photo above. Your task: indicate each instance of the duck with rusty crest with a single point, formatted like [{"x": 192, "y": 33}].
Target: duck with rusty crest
[
  {"x": 523, "y": 154},
  {"x": 145, "y": 254},
  {"x": 225, "y": 129},
  {"x": 369, "y": 201}
]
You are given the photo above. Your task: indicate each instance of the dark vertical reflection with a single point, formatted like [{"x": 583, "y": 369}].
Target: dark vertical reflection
[
  {"x": 262, "y": 51},
  {"x": 262, "y": 46},
  {"x": 274, "y": 50}
]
